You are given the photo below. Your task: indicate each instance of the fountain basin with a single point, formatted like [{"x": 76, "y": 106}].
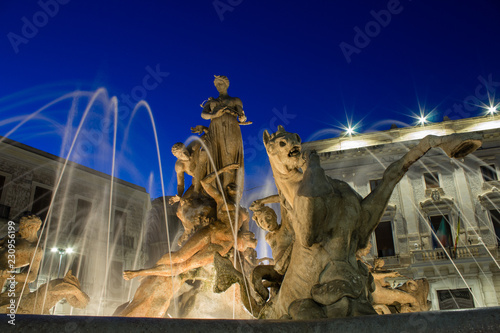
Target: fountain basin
[{"x": 470, "y": 320}]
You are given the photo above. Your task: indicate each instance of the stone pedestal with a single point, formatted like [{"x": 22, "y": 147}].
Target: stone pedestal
[{"x": 475, "y": 320}]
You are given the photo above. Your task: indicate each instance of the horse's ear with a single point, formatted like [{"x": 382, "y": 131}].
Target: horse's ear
[
  {"x": 266, "y": 137},
  {"x": 281, "y": 128}
]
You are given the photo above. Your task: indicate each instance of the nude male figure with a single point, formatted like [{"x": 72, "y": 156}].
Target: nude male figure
[{"x": 27, "y": 254}]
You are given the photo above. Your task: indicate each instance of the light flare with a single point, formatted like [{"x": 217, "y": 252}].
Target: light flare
[
  {"x": 422, "y": 117},
  {"x": 492, "y": 109},
  {"x": 350, "y": 129}
]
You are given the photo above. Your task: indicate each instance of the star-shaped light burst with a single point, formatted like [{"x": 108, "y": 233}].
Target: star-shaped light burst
[
  {"x": 492, "y": 109},
  {"x": 350, "y": 129},
  {"x": 422, "y": 118}
]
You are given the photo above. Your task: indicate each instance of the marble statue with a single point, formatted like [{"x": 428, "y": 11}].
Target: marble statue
[
  {"x": 191, "y": 160},
  {"x": 420, "y": 290},
  {"x": 195, "y": 213},
  {"x": 409, "y": 297},
  {"x": 154, "y": 295},
  {"x": 329, "y": 222},
  {"x": 412, "y": 297},
  {"x": 227, "y": 275},
  {"x": 28, "y": 257},
  {"x": 324, "y": 223},
  {"x": 224, "y": 141},
  {"x": 262, "y": 276},
  {"x": 213, "y": 220},
  {"x": 220, "y": 145},
  {"x": 218, "y": 237},
  {"x": 266, "y": 219},
  {"x": 162, "y": 281},
  {"x": 194, "y": 210},
  {"x": 27, "y": 254},
  {"x": 48, "y": 295}
]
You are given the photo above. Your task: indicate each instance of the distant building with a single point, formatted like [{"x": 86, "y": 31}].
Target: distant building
[
  {"x": 437, "y": 196},
  {"x": 83, "y": 217},
  {"x": 156, "y": 241}
]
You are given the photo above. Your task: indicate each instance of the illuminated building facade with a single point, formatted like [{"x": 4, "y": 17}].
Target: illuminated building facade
[
  {"x": 443, "y": 219},
  {"x": 102, "y": 231}
]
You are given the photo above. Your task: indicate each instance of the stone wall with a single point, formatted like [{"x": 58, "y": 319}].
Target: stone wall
[{"x": 361, "y": 158}]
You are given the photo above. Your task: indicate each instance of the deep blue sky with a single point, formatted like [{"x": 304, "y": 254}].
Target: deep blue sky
[{"x": 282, "y": 57}]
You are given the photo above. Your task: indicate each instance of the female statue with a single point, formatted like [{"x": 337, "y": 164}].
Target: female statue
[{"x": 225, "y": 145}]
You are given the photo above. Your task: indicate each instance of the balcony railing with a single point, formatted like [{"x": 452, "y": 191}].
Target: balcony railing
[
  {"x": 390, "y": 260},
  {"x": 475, "y": 251}
]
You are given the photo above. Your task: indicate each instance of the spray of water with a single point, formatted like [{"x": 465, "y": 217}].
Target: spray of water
[{"x": 463, "y": 219}]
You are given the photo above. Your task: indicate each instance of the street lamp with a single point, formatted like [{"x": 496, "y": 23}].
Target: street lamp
[
  {"x": 422, "y": 120},
  {"x": 61, "y": 252},
  {"x": 350, "y": 129}
]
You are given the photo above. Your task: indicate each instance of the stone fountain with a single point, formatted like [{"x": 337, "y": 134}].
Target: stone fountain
[
  {"x": 317, "y": 271},
  {"x": 27, "y": 255}
]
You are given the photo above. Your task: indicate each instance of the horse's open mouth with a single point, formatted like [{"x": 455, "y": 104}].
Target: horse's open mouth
[{"x": 295, "y": 151}]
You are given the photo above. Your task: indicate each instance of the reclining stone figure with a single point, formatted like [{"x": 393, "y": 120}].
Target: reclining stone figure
[
  {"x": 218, "y": 237},
  {"x": 27, "y": 258},
  {"x": 48, "y": 295}
]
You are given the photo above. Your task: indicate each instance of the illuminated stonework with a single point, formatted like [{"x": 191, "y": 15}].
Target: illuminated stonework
[
  {"x": 79, "y": 219},
  {"x": 466, "y": 197}
]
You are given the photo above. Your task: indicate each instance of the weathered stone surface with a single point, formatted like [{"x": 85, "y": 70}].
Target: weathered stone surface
[
  {"x": 330, "y": 222},
  {"x": 214, "y": 222},
  {"x": 324, "y": 223},
  {"x": 410, "y": 297},
  {"x": 48, "y": 295},
  {"x": 224, "y": 141},
  {"x": 28, "y": 255}
]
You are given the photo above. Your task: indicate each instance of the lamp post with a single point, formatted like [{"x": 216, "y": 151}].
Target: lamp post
[{"x": 61, "y": 252}]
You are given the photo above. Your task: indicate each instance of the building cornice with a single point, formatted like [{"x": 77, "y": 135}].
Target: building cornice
[
  {"x": 49, "y": 156},
  {"x": 391, "y": 140}
]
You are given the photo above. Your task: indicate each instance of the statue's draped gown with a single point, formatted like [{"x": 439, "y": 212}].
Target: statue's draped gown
[{"x": 225, "y": 145}]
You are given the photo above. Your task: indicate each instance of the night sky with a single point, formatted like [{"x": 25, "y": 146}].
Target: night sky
[{"x": 307, "y": 65}]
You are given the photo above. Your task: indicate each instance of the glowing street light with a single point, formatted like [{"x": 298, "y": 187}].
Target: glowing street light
[
  {"x": 350, "y": 129},
  {"x": 61, "y": 252},
  {"x": 492, "y": 110},
  {"x": 423, "y": 116},
  {"x": 422, "y": 120}
]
